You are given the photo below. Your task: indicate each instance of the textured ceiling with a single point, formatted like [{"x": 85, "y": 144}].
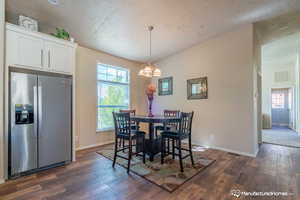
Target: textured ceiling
[
  {"x": 278, "y": 27},
  {"x": 282, "y": 52},
  {"x": 119, "y": 27}
]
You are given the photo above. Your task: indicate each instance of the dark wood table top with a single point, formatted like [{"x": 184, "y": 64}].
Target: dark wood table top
[{"x": 154, "y": 119}]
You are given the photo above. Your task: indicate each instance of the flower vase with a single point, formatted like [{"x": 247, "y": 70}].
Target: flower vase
[{"x": 150, "y": 100}]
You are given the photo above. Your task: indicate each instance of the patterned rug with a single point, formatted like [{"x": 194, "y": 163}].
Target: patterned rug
[{"x": 168, "y": 175}]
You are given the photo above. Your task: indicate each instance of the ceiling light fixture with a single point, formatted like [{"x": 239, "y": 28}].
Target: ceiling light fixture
[{"x": 150, "y": 70}]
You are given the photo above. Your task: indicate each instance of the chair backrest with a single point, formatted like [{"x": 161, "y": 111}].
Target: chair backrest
[
  {"x": 132, "y": 112},
  {"x": 185, "y": 125},
  {"x": 122, "y": 124},
  {"x": 171, "y": 113}
]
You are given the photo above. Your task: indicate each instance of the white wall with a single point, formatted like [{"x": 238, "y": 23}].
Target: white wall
[
  {"x": 226, "y": 119},
  {"x": 2, "y": 20},
  {"x": 86, "y": 92}
]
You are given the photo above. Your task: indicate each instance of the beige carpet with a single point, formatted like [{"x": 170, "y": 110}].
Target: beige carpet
[
  {"x": 281, "y": 136},
  {"x": 168, "y": 175}
]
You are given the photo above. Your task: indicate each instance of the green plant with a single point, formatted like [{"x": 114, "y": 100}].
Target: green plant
[{"x": 61, "y": 33}]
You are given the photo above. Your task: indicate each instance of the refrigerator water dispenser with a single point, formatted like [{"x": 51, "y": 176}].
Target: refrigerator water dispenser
[{"x": 24, "y": 114}]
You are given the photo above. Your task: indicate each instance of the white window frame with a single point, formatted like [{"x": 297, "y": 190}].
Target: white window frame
[{"x": 111, "y": 82}]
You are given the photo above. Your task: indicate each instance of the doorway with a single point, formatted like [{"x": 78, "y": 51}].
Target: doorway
[
  {"x": 282, "y": 130},
  {"x": 280, "y": 91}
]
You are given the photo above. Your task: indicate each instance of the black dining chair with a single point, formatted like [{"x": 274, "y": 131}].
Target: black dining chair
[
  {"x": 124, "y": 132},
  {"x": 183, "y": 131},
  {"x": 168, "y": 113},
  {"x": 134, "y": 125}
]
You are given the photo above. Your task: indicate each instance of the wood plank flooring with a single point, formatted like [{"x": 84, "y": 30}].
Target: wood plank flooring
[{"x": 276, "y": 169}]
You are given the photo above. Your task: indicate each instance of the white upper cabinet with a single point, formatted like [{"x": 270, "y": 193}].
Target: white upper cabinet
[
  {"x": 59, "y": 57},
  {"x": 30, "y": 51},
  {"x": 38, "y": 51}
]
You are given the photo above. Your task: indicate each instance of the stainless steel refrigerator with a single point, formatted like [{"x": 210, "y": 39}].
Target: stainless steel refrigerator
[{"x": 40, "y": 134}]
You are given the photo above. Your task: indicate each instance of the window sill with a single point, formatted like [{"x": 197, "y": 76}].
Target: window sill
[{"x": 104, "y": 130}]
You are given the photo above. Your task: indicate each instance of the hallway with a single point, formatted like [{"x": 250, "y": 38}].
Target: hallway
[{"x": 281, "y": 135}]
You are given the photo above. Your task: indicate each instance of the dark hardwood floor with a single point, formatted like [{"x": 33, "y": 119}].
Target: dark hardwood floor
[{"x": 276, "y": 169}]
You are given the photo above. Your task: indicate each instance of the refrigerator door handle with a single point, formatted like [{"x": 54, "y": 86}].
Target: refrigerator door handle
[
  {"x": 35, "y": 111},
  {"x": 40, "y": 110}
]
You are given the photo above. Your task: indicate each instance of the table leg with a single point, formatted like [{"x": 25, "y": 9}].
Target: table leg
[{"x": 151, "y": 137}]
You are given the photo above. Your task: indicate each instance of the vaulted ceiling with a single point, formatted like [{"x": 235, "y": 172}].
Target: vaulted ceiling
[
  {"x": 282, "y": 52},
  {"x": 119, "y": 27}
]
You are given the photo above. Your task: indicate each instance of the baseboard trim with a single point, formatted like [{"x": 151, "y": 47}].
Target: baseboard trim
[
  {"x": 94, "y": 145},
  {"x": 230, "y": 151},
  {"x": 235, "y": 152}
]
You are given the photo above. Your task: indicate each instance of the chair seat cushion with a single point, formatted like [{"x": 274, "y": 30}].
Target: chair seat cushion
[
  {"x": 161, "y": 127},
  {"x": 173, "y": 134}
]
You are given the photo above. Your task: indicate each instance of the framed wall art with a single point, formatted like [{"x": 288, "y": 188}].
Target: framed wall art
[
  {"x": 197, "y": 88},
  {"x": 165, "y": 86}
]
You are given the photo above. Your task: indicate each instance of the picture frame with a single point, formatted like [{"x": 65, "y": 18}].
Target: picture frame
[
  {"x": 197, "y": 88},
  {"x": 28, "y": 23},
  {"x": 165, "y": 86}
]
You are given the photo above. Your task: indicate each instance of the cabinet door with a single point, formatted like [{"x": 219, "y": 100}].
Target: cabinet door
[
  {"x": 30, "y": 51},
  {"x": 59, "y": 57}
]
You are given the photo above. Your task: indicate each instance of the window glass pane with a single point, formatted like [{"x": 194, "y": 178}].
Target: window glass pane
[
  {"x": 102, "y": 71},
  {"x": 113, "y": 94},
  {"x": 105, "y": 118},
  {"x": 101, "y": 76},
  {"x": 113, "y": 74},
  {"x": 278, "y": 100}
]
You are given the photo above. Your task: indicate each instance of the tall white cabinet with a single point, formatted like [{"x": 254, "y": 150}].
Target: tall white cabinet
[{"x": 38, "y": 51}]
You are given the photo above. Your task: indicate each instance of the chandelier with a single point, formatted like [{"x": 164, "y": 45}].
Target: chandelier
[{"x": 150, "y": 70}]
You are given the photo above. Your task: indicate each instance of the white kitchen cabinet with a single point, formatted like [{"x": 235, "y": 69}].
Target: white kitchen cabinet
[
  {"x": 59, "y": 57},
  {"x": 38, "y": 51},
  {"x": 24, "y": 50},
  {"x": 30, "y": 51}
]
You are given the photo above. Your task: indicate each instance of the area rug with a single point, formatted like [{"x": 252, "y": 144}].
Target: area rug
[{"x": 168, "y": 175}]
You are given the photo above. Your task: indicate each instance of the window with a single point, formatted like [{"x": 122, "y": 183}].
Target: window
[
  {"x": 113, "y": 94},
  {"x": 278, "y": 100}
]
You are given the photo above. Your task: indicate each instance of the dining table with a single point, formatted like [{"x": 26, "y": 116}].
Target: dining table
[{"x": 152, "y": 143}]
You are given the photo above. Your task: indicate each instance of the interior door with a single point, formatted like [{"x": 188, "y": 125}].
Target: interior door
[
  {"x": 54, "y": 120},
  {"x": 280, "y": 107},
  {"x": 30, "y": 51},
  {"x": 59, "y": 57},
  {"x": 23, "y": 122}
]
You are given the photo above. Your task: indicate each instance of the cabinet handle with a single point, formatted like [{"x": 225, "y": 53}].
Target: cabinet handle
[
  {"x": 42, "y": 57},
  {"x": 49, "y": 58}
]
